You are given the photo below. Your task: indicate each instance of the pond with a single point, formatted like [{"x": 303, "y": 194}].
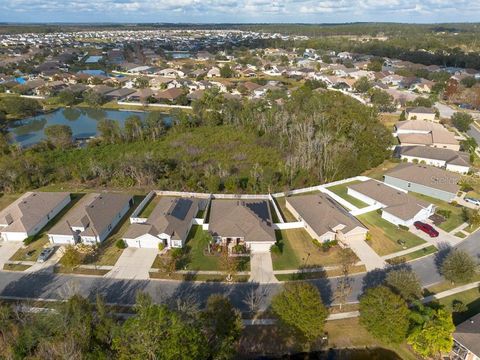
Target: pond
[
  {"x": 179, "y": 54},
  {"x": 82, "y": 121}
]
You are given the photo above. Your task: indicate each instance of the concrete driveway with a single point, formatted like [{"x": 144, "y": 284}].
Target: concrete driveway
[
  {"x": 261, "y": 268},
  {"x": 443, "y": 236},
  {"x": 7, "y": 249},
  {"x": 366, "y": 254},
  {"x": 134, "y": 263},
  {"x": 49, "y": 265}
]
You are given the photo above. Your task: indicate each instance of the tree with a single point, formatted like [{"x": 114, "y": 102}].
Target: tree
[
  {"x": 223, "y": 326},
  {"x": 404, "y": 282},
  {"x": 458, "y": 267},
  {"x": 362, "y": 85},
  {"x": 462, "y": 121},
  {"x": 469, "y": 144},
  {"x": 468, "y": 81},
  {"x": 226, "y": 71},
  {"x": 375, "y": 65},
  {"x": 159, "y": 333},
  {"x": 66, "y": 97},
  {"x": 59, "y": 135},
  {"x": 384, "y": 314},
  {"x": 431, "y": 334},
  {"x": 93, "y": 98},
  {"x": 71, "y": 257},
  {"x": 109, "y": 130},
  {"x": 382, "y": 99},
  {"x": 299, "y": 308},
  {"x": 18, "y": 107}
]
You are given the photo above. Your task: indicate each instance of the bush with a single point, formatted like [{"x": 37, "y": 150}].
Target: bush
[
  {"x": 368, "y": 237},
  {"x": 161, "y": 246},
  {"x": 444, "y": 212},
  {"x": 120, "y": 244},
  {"x": 275, "y": 249},
  {"x": 28, "y": 240},
  {"x": 403, "y": 227}
]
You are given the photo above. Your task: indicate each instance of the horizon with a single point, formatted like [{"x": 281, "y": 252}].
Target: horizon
[{"x": 237, "y": 11}]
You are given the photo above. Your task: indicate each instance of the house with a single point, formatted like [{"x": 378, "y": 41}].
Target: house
[
  {"x": 92, "y": 219},
  {"x": 324, "y": 219},
  {"x": 451, "y": 160},
  {"x": 423, "y": 179},
  {"x": 424, "y": 86},
  {"x": 119, "y": 94},
  {"x": 420, "y": 113},
  {"x": 141, "y": 95},
  {"x": 171, "y": 73},
  {"x": 242, "y": 222},
  {"x": 27, "y": 215},
  {"x": 425, "y": 133},
  {"x": 213, "y": 72},
  {"x": 168, "y": 224},
  {"x": 466, "y": 344},
  {"x": 169, "y": 94},
  {"x": 398, "y": 207}
]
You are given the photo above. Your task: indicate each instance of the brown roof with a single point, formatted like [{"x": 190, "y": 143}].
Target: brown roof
[
  {"x": 322, "y": 213},
  {"x": 172, "y": 216},
  {"x": 430, "y": 176},
  {"x": 427, "y": 152},
  {"x": 28, "y": 210},
  {"x": 170, "y": 94},
  {"x": 250, "y": 219},
  {"x": 94, "y": 212},
  {"x": 468, "y": 334},
  {"x": 397, "y": 202}
]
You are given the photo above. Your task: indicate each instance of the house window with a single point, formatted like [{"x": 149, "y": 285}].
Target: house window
[{"x": 409, "y": 185}]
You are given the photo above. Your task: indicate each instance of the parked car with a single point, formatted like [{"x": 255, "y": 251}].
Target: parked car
[
  {"x": 426, "y": 228},
  {"x": 45, "y": 254},
  {"x": 472, "y": 201}
]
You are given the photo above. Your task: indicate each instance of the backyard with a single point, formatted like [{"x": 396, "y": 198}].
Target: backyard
[
  {"x": 299, "y": 250},
  {"x": 385, "y": 237},
  {"x": 287, "y": 215},
  {"x": 147, "y": 210},
  {"x": 7, "y": 199},
  {"x": 341, "y": 190}
]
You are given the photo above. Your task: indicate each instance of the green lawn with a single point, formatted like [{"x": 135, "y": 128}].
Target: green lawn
[
  {"x": 299, "y": 250},
  {"x": 455, "y": 219},
  {"x": 385, "y": 235},
  {"x": 195, "y": 245},
  {"x": 341, "y": 190},
  {"x": 147, "y": 210},
  {"x": 460, "y": 234},
  {"x": 414, "y": 255},
  {"x": 380, "y": 170},
  {"x": 287, "y": 215}
]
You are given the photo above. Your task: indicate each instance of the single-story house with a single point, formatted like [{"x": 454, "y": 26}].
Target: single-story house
[
  {"x": 398, "y": 207},
  {"x": 420, "y": 113},
  {"x": 451, "y": 160},
  {"x": 92, "y": 219},
  {"x": 324, "y": 219},
  {"x": 168, "y": 224},
  {"x": 466, "y": 344},
  {"x": 248, "y": 222},
  {"x": 423, "y": 179},
  {"x": 213, "y": 72},
  {"x": 141, "y": 95},
  {"x": 119, "y": 94},
  {"x": 425, "y": 133},
  {"x": 27, "y": 215},
  {"x": 169, "y": 94}
]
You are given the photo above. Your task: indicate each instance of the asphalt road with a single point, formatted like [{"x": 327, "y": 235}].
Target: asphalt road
[{"x": 45, "y": 285}]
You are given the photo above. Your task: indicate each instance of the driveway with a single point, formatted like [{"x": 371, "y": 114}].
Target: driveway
[
  {"x": 133, "y": 264},
  {"x": 261, "y": 268},
  {"x": 366, "y": 254},
  {"x": 7, "y": 249},
  {"x": 49, "y": 265},
  {"x": 442, "y": 239}
]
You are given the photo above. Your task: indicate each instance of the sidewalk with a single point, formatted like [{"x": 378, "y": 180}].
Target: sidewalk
[
  {"x": 453, "y": 291},
  {"x": 406, "y": 251}
]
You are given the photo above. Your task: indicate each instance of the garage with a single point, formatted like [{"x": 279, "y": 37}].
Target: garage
[
  {"x": 60, "y": 239},
  {"x": 146, "y": 241},
  {"x": 260, "y": 247}
]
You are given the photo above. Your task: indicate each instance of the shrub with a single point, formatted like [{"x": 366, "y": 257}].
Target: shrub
[
  {"x": 368, "y": 237},
  {"x": 403, "y": 227},
  {"x": 161, "y": 246},
  {"x": 444, "y": 212},
  {"x": 121, "y": 244},
  {"x": 275, "y": 249},
  {"x": 28, "y": 240}
]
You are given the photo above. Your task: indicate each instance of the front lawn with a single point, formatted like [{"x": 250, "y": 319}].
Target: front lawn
[
  {"x": 341, "y": 190},
  {"x": 385, "y": 236},
  {"x": 471, "y": 298},
  {"x": 413, "y": 255},
  {"x": 456, "y": 215},
  {"x": 299, "y": 250}
]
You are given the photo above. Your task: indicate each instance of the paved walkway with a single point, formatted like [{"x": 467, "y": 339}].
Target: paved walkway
[
  {"x": 453, "y": 291},
  {"x": 338, "y": 316},
  {"x": 366, "y": 255},
  {"x": 134, "y": 263},
  {"x": 460, "y": 229},
  {"x": 261, "y": 268}
]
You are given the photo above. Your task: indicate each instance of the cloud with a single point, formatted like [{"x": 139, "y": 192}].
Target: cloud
[{"x": 239, "y": 10}]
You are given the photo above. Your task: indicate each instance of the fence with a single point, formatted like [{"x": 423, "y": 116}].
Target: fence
[
  {"x": 134, "y": 217},
  {"x": 289, "y": 225},
  {"x": 126, "y": 103}
]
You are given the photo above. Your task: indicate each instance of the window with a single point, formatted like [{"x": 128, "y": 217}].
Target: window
[{"x": 409, "y": 185}]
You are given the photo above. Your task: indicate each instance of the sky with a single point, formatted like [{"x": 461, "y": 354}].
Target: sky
[{"x": 240, "y": 11}]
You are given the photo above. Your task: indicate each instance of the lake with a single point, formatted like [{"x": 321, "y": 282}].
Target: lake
[{"x": 82, "y": 121}]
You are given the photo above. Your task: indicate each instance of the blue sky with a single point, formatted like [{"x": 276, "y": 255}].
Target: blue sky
[{"x": 250, "y": 11}]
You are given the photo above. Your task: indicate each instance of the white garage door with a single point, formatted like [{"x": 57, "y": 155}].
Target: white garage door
[
  {"x": 61, "y": 239},
  {"x": 143, "y": 242},
  {"x": 260, "y": 247}
]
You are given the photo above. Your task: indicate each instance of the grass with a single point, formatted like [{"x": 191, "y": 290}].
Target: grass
[
  {"x": 80, "y": 271},
  {"x": 287, "y": 215},
  {"x": 32, "y": 250},
  {"x": 147, "y": 210},
  {"x": 471, "y": 298},
  {"x": 413, "y": 255},
  {"x": 377, "y": 172},
  {"x": 296, "y": 245},
  {"x": 456, "y": 216},
  {"x": 460, "y": 234},
  {"x": 200, "y": 214},
  {"x": 7, "y": 199},
  {"x": 15, "y": 267},
  {"x": 196, "y": 277},
  {"x": 447, "y": 285},
  {"x": 385, "y": 235},
  {"x": 341, "y": 190},
  {"x": 319, "y": 274}
]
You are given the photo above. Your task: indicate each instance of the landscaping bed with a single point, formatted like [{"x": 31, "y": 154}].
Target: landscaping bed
[
  {"x": 319, "y": 274},
  {"x": 16, "y": 267},
  {"x": 196, "y": 277},
  {"x": 299, "y": 250},
  {"x": 80, "y": 271},
  {"x": 387, "y": 238}
]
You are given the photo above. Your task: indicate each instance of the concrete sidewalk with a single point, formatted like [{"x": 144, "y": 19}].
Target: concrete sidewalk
[
  {"x": 450, "y": 292},
  {"x": 406, "y": 251}
]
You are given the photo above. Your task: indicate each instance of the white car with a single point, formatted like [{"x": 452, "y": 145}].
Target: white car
[{"x": 473, "y": 201}]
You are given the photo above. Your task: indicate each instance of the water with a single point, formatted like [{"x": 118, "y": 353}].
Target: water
[
  {"x": 93, "y": 59},
  {"x": 93, "y": 72},
  {"x": 82, "y": 121},
  {"x": 179, "y": 54}
]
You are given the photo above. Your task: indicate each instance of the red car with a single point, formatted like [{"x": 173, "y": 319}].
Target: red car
[{"x": 426, "y": 228}]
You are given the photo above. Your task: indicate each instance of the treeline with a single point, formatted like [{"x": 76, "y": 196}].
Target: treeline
[
  {"x": 224, "y": 145},
  {"x": 78, "y": 329}
]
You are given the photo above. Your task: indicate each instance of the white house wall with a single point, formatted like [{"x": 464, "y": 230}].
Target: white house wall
[
  {"x": 458, "y": 168},
  {"x": 14, "y": 236}
]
